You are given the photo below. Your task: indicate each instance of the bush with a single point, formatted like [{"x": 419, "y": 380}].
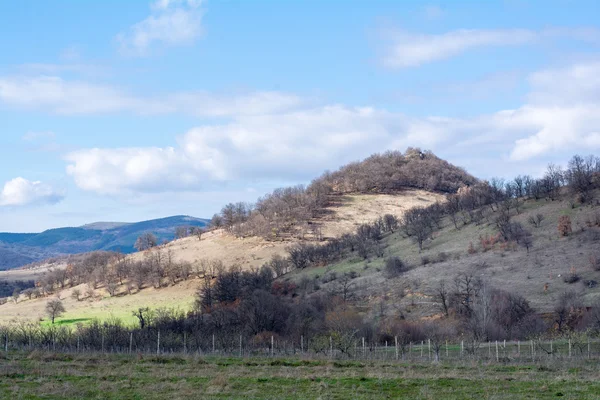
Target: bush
[
  {"x": 394, "y": 266},
  {"x": 564, "y": 225},
  {"x": 572, "y": 278}
]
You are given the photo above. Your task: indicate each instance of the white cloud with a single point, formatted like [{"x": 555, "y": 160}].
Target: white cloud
[
  {"x": 172, "y": 23},
  {"x": 293, "y": 145},
  {"x": 299, "y": 143},
  {"x": 22, "y": 192},
  {"x": 412, "y": 50},
  {"x": 56, "y": 95},
  {"x": 563, "y": 110}
]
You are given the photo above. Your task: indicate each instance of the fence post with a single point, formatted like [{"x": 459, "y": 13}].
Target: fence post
[
  {"x": 158, "y": 344},
  {"x": 462, "y": 348},
  {"x": 429, "y": 348},
  {"x": 330, "y": 347},
  {"x": 497, "y": 357},
  {"x": 569, "y": 348},
  {"x": 589, "y": 352},
  {"x": 532, "y": 351},
  {"x": 446, "y": 349},
  {"x": 184, "y": 343},
  {"x": 386, "y": 350},
  {"x": 396, "y": 344},
  {"x": 213, "y": 343},
  {"x": 301, "y": 344},
  {"x": 77, "y": 343},
  {"x": 489, "y": 349},
  {"x": 272, "y": 345},
  {"x": 552, "y": 347},
  {"x": 130, "y": 341},
  {"x": 241, "y": 351},
  {"x": 6, "y": 342},
  {"x": 364, "y": 348},
  {"x": 519, "y": 347}
]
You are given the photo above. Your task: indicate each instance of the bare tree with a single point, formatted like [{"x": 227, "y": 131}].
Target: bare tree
[
  {"x": 197, "y": 231},
  {"x": 182, "y": 232},
  {"x": 536, "y": 220},
  {"x": 146, "y": 242},
  {"x": 76, "y": 294},
  {"x": 54, "y": 309},
  {"x": 443, "y": 297}
]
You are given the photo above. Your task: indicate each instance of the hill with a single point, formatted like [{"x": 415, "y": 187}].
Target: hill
[
  {"x": 526, "y": 248},
  {"x": 17, "y": 249}
]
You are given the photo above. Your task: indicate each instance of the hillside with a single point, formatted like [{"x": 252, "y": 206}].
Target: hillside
[
  {"x": 524, "y": 246},
  {"x": 18, "y": 249},
  {"x": 248, "y": 253}
]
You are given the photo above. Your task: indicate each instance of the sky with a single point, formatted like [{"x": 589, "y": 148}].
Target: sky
[{"x": 130, "y": 110}]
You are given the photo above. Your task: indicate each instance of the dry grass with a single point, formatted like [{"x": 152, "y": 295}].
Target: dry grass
[
  {"x": 550, "y": 259},
  {"x": 248, "y": 253}
]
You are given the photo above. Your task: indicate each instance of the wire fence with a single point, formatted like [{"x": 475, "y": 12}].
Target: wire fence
[{"x": 161, "y": 343}]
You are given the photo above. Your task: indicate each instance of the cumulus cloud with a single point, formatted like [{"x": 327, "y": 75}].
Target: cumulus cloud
[
  {"x": 412, "y": 50},
  {"x": 563, "y": 111},
  {"x": 171, "y": 23},
  {"x": 299, "y": 143},
  {"x": 23, "y": 192},
  {"x": 56, "y": 95},
  {"x": 293, "y": 145}
]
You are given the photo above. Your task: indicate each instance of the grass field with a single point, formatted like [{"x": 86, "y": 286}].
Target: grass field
[{"x": 58, "y": 376}]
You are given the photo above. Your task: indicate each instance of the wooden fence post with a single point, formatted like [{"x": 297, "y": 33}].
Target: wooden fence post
[
  {"x": 429, "y": 348},
  {"x": 364, "y": 348},
  {"x": 396, "y": 343},
  {"x": 497, "y": 356},
  {"x": 272, "y": 346},
  {"x": 330, "y": 347},
  {"x": 158, "y": 344},
  {"x": 130, "y": 341}
]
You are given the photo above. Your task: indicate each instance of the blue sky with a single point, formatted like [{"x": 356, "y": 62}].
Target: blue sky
[{"x": 123, "y": 111}]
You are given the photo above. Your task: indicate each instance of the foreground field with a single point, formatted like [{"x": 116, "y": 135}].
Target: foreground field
[{"x": 57, "y": 376}]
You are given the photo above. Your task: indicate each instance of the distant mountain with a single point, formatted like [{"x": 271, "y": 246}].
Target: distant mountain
[{"x": 17, "y": 249}]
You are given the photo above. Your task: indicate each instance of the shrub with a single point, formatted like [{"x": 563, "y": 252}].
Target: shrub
[
  {"x": 572, "y": 278},
  {"x": 394, "y": 266},
  {"x": 536, "y": 220},
  {"x": 471, "y": 249},
  {"x": 564, "y": 225},
  {"x": 595, "y": 262}
]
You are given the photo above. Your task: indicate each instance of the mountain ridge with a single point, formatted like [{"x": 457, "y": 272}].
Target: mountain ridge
[{"x": 18, "y": 249}]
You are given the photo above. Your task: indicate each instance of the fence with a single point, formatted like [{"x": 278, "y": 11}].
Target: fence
[{"x": 131, "y": 342}]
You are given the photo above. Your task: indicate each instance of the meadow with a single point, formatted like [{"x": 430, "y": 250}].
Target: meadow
[{"x": 48, "y": 375}]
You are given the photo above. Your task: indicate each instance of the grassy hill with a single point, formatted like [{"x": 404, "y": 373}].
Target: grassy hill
[
  {"x": 538, "y": 274},
  {"x": 501, "y": 240}
]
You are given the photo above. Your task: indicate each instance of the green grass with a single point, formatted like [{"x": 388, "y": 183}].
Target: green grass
[{"x": 56, "y": 376}]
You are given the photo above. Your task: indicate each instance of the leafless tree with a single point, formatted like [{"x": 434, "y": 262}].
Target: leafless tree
[
  {"x": 146, "y": 242},
  {"x": 54, "y": 309}
]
